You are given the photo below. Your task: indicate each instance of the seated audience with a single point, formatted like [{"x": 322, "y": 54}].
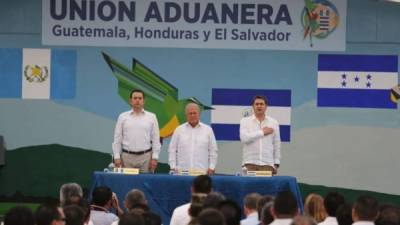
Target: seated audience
[
  {"x": 365, "y": 210},
  {"x": 332, "y": 202},
  {"x": 250, "y": 209}
]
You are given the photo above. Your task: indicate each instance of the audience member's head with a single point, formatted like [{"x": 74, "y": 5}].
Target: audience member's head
[
  {"x": 74, "y": 215},
  {"x": 250, "y": 203},
  {"x": 365, "y": 209},
  {"x": 196, "y": 204},
  {"x": 314, "y": 207},
  {"x": 213, "y": 200},
  {"x": 266, "y": 215},
  {"x": 102, "y": 196},
  {"x": 262, "y": 202},
  {"x": 304, "y": 220},
  {"x": 135, "y": 198},
  {"x": 19, "y": 215},
  {"x": 231, "y": 212},
  {"x": 151, "y": 218},
  {"x": 70, "y": 191},
  {"x": 49, "y": 214},
  {"x": 285, "y": 205},
  {"x": 131, "y": 219},
  {"x": 82, "y": 203},
  {"x": 332, "y": 202},
  {"x": 210, "y": 217},
  {"x": 388, "y": 215},
  {"x": 202, "y": 184},
  {"x": 343, "y": 214}
]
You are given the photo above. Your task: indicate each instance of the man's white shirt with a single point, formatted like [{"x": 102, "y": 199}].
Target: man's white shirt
[
  {"x": 136, "y": 132},
  {"x": 330, "y": 220},
  {"x": 257, "y": 148},
  {"x": 193, "y": 147},
  {"x": 181, "y": 216}
]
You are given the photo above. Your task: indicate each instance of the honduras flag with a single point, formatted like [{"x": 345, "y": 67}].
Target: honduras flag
[
  {"x": 37, "y": 73},
  {"x": 231, "y": 105},
  {"x": 361, "y": 81}
]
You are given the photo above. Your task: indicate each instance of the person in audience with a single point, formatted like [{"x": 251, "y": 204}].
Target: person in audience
[
  {"x": 201, "y": 184},
  {"x": 74, "y": 215},
  {"x": 210, "y": 217},
  {"x": 71, "y": 192},
  {"x": 314, "y": 207},
  {"x": 196, "y": 206},
  {"x": 264, "y": 200},
  {"x": 131, "y": 218},
  {"x": 49, "y": 214},
  {"x": 250, "y": 209},
  {"x": 365, "y": 210},
  {"x": 213, "y": 200},
  {"x": 266, "y": 215},
  {"x": 81, "y": 203},
  {"x": 231, "y": 211},
  {"x": 388, "y": 215},
  {"x": 284, "y": 209},
  {"x": 137, "y": 136},
  {"x": 304, "y": 220},
  {"x": 103, "y": 200},
  {"x": 151, "y": 218},
  {"x": 135, "y": 198},
  {"x": 193, "y": 144},
  {"x": 332, "y": 201},
  {"x": 343, "y": 214},
  {"x": 19, "y": 215}
]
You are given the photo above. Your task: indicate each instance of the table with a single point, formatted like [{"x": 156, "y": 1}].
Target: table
[{"x": 165, "y": 192}]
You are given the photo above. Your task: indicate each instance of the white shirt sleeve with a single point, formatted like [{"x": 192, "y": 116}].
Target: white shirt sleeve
[
  {"x": 117, "y": 143},
  {"x": 155, "y": 139},
  {"x": 277, "y": 145},
  {"x": 173, "y": 148},
  {"x": 213, "y": 148}
]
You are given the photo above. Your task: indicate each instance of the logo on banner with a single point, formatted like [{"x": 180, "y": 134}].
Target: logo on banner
[
  {"x": 319, "y": 19},
  {"x": 36, "y": 73}
]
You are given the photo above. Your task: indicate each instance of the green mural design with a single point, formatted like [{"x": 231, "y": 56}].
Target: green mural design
[{"x": 161, "y": 97}]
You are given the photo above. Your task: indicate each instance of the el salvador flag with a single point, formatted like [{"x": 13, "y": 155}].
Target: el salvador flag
[
  {"x": 231, "y": 105},
  {"x": 37, "y": 73},
  {"x": 362, "y": 81}
]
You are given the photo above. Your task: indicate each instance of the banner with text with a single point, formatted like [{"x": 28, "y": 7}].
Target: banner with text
[{"x": 228, "y": 24}]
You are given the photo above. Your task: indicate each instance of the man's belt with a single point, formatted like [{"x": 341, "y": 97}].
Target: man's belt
[{"x": 137, "y": 153}]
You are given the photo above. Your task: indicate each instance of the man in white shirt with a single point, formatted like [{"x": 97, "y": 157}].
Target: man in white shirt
[
  {"x": 250, "y": 209},
  {"x": 284, "y": 209},
  {"x": 137, "y": 137},
  {"x": 365, "y": 210},
  {"x": 193, "y": 144},
  {"x": 332, "y": 201},
  {"x": 261, "y": 139},
  {"x": 201, "y": 185}
]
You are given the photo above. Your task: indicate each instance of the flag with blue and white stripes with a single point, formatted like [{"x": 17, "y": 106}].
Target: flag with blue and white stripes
[
  {"x": 231, "y": 105},
  {"x": 362, "y": 81}
]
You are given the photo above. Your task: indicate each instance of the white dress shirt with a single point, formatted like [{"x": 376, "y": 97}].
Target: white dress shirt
[
  {"x": 363, "y": 222},
  {"x": 257, "y": 148},
  {"x": 281, "y": 222},
  {"x": 136, "y": 132},
  {"x": 330, "y": 220},
  {"x": 251, "y": 219},
  {"x": 181, "y": 216},
  {"x": 193, "y": 148}
]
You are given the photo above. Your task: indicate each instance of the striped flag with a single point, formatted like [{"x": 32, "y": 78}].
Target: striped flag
[
  {"x": 231, "y": 105},
  {"x": 37, "y": 73},
  {"x": 363, "y": 81}
]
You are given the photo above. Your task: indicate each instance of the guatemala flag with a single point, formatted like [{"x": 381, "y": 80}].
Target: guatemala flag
[
  {"x": 37, "y": 73},
  {"x": 231, "y": 105},
  {"x": 363, "y": 81}
]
